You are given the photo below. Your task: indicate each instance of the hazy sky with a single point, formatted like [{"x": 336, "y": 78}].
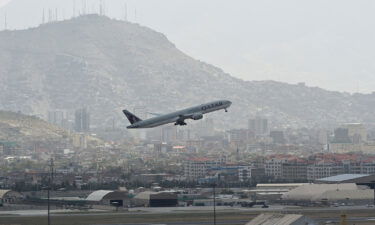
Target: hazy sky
[
  {"x": 4, "y": 2},
  {"x": 326, "y": 43}
]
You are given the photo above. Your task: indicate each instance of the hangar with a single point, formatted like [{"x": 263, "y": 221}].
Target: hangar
[
  {"x": 360, "y": 179},
  {"x": 106, "y": 197},
  {"x": 9, "y": 196},
  {"x": 330, "y": 193},
  {"x": 156, "y": 199}
]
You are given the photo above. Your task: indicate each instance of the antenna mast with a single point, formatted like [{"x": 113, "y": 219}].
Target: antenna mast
[
  {"x": 5, "y": 22},
  {"x": 104, "y": 8},
  {"x": 135, "y": 15},
  {"x": 49, "y": 15},
  {"x": 101, "y": 7},
  {"x": 126, "y": 12},
  {"x": 43, "y": 17},
  {"x": 74, "y": 8}
]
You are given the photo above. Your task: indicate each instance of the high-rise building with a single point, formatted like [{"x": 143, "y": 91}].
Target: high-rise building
[
  {"x": 350, "y": 133},
  {"x": 277, "y": 137},
  {"x": 56, "y": 117},
  {"x": 322, "y": 137},
  {"x": 205, "y": 127},
  {"x": 169, "y": 134},
  {"x": 356, "y": 132},
  {"x": 258, "y": 125},
  {"x": 341, "y": 136},
  {"x": 8, "y": 148},
  {"x": 238, "y": 135},
  {"x": 183, "y": 134},
  {"x": 82, "y": 120}
]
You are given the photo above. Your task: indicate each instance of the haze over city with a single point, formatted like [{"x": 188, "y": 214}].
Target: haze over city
[
  {"x": 328, "y": 44},
  {"x": 119, "y": 112}
]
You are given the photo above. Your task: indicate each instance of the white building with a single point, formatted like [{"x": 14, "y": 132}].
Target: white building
[
  {"x": 246, "y": 173},
  {"x": 195, "y": 168},
  {"x": 323, "y": 168},
  {"x": 273, "y": 167}
]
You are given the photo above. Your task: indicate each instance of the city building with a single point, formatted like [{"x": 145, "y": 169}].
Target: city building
[
  {"x": 82, "y": 120},
  {"x": 356, "y": 132},
  {"x": 206, "y": 127},
  {"x": 258, "y": 125},
  {"x": 273, "y": 166},
  {"x": 294, "y": 170},
  {"x": 57, "y": 117},
  {"x": 277, "y": 137},
  {"x": 169, "y": 134},
  {"x": 341, "y": 135},
  {"x": 195, "y": 168},
  {"x": 350, "y": 137},
  {"x": 322, "y": 137},
  {"x": 8, "y": 148},
  {"x": 238, "y": 136},
  {"x": 368, "y": 166},
  {"x": 323, "y": 168},
  {"x": 247, "y": 173}
]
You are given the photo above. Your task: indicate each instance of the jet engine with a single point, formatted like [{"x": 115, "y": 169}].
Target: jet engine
[{"x": 197, "y": 116}]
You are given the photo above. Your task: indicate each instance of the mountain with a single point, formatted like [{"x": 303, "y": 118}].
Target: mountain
[{"x": 107, "y": 65}]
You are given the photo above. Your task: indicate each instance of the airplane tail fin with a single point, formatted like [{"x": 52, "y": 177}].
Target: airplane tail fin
[{"x": 131, "y": 117}]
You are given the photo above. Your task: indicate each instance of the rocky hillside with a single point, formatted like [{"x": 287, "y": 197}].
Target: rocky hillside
[
  {"x": 109, "y": 65},
  {"x": 22, "y": 129},
  {"x": 29, "y": 130}
]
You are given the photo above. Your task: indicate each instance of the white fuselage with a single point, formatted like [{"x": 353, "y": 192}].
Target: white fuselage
[{"x": 185, "y": 113}]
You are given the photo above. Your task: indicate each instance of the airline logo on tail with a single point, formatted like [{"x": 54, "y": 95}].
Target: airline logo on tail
[{"x": 131, "y": 117}]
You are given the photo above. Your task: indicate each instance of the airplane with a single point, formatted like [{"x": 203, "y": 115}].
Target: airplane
[{"x": 178, "y": 117}]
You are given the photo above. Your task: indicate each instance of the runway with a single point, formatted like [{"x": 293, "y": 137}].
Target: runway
[
  {"x": 235, "y": 222},
  {"x": 181, "y": 216}
]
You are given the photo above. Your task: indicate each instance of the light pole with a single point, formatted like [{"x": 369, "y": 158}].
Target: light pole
[
  {"x": 50, "y": 184},
  {"x": 214, "y": 190},
  {"x": 48, "y": 204}
]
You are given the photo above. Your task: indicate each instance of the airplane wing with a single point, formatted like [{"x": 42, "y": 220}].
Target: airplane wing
[{"x": 155, "y": 114}]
